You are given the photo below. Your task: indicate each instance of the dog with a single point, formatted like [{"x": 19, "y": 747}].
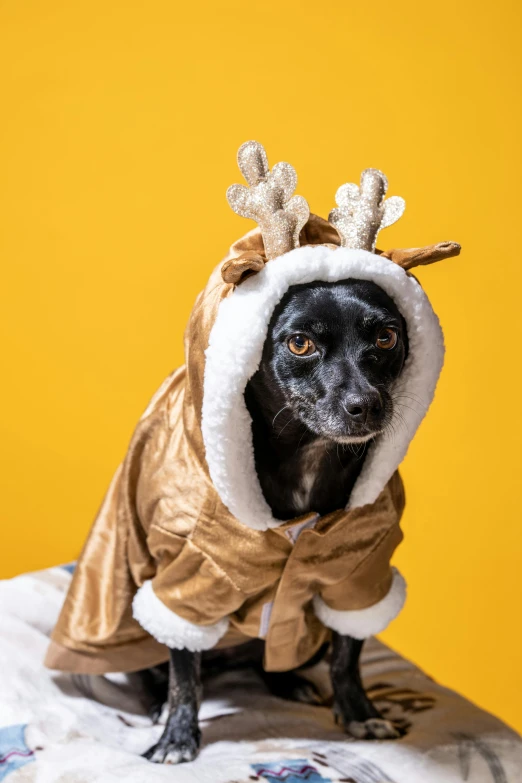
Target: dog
[
  {"x": 252, "y": 507},
  {"x": 326, "y": 386}
]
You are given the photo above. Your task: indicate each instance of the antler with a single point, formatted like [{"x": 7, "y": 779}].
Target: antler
[
  {"x": 269, "y": 199},
  {"x": 362, "y": 211}
]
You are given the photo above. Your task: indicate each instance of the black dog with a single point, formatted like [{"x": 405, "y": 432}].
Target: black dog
[{"x": 321, "y": 393}]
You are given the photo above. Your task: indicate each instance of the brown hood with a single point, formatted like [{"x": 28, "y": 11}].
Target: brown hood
[{"x": 185, "y": 552}]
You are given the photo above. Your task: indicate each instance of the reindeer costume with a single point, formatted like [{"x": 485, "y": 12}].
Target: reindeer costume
[{"x": 185, "y": 551}]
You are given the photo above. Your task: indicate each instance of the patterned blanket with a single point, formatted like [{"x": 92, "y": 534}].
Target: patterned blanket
[{"x": 57, "y": 728}]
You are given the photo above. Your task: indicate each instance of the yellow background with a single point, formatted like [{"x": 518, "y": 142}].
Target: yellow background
[{"x": 120, "y": 125}]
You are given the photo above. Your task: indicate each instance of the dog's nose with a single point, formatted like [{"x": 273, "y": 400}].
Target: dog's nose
[{"x": 360, "y": 407}]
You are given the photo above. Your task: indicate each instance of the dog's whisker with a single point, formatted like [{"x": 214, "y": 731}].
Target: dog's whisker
[
  {"x": 400, "y": 420},
  {"x": 300, "y": 439},
  {"x": 399, "y": 405},
  {"x": 397, "y": 397},
  {"x": 285, "y": 425},
  {"x": 397, "y": 420},
  {"x": 407, "y": 392},
  {"x": 278, "y": 412},
  {"x": 326, "y": 450},
  {"x": 403, "y": 395},
  {"x": 392, "y": 423}
]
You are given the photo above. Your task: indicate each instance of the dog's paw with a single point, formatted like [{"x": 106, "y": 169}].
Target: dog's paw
[
  {"x": 180, "y": 739},
  {"x": 173, "y": 752},
  {"x": 373, "y": 728}
]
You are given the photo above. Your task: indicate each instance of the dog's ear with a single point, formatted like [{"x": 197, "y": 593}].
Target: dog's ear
[
  {"x": 235, "y": 270},
  {"x": 411, "y": 257}
]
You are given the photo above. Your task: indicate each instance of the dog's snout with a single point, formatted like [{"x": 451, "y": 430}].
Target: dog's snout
[{"x": 361, "y": 407}]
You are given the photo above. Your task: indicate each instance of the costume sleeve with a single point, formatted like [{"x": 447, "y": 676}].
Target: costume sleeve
[
  {"x": 187, "y": 603},
  {"x": 367, "y": 600}
]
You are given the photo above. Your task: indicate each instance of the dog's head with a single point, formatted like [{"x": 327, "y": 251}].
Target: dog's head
[{"x": 332, "y": 353}]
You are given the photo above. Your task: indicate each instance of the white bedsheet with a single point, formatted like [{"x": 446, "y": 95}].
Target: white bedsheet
[{"x": 57, "y": 728}]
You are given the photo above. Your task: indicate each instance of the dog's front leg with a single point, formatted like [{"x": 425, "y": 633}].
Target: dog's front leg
[
  {"x": 352, "y": 707},
  {"x": 181, "y": 737}
]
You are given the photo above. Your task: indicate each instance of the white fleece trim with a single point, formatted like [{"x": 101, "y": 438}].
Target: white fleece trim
[
  {"x": 171, "y": 629},
  {"x": 231, "y": 362},
  {"x": 362, "y": 623}
]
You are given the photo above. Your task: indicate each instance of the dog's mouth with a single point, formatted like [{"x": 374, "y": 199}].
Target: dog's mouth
[
  {"x": 342, "y": 434},
  {"x": 346, "y": 439},
  {"x": 337, "y": 426}
]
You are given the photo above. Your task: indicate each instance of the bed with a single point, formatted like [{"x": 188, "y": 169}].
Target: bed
[{"x": 58, "y": 728}]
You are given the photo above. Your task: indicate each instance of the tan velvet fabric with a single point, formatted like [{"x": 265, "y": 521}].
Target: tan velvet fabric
[
  {"x": 162, "y": 520},
  {"x": 411, "y": 257}
]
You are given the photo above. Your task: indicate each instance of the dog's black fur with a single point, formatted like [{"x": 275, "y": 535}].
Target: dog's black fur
[{"x": 313, "y": 417}]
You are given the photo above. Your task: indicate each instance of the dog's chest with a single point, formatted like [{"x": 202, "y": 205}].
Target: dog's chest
[
  {"x": 309, "y": 470},
  {"x": 317, "y": 477}
]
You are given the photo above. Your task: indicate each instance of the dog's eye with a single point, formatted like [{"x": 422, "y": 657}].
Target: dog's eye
[
  {"x": 300, "y": 345},
  {"x": 387, "y": 339}
]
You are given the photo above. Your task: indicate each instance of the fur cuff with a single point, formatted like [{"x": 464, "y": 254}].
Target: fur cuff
[
  {"x": 171, "y": 629},
  {"x": 361, "y": 623}
]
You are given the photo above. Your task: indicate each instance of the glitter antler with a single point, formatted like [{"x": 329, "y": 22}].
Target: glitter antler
[
  {"x": 269, "y": 199},
  {"x": 362, "y": 211}
]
